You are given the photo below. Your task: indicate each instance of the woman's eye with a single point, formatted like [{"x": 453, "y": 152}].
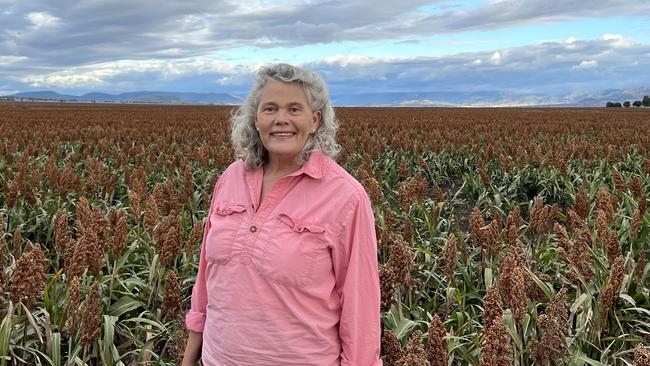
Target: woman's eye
[
  {"x": 268, "y": 109},
  {"x": 295, "y": 109}
]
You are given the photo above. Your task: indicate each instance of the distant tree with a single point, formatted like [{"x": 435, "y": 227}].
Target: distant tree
[
  {"x": 609, "y": 104},
  {"x": 637, "y": 103},
  {"x": 612, "y": 104},
  {"x": 617, "y": 105},
  {"x": 626, "y": 104},
  {"x": 646, "y": 101}
]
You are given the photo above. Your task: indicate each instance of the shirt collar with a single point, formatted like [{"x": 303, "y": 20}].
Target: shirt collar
[{"x": 313, "y": 167}]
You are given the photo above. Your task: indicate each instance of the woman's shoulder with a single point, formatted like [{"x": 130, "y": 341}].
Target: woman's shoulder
[
  {"x": 346, "y": 184},
  {"x": 236, "y": 166},
  {"x": 235, "y": 169}
]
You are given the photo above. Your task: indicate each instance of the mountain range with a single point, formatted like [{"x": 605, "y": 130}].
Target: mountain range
[
  {"x": 136, "y": 97},
  {"x": 400, "y": 99}
]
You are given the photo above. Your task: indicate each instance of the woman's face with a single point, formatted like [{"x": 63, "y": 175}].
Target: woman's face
[{"x": 285, "y": 119}]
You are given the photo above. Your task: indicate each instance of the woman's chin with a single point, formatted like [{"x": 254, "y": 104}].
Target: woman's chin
[{"x": 284, "y": 154}]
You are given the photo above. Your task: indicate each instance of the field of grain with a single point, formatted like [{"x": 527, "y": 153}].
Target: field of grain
[{"x": 506, "y": 236}]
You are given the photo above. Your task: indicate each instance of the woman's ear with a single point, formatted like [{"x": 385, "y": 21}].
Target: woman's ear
[{"x": 316, "y": 120}]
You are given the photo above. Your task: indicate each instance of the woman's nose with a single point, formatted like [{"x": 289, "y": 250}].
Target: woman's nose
[{"x": 282, "y": 116}]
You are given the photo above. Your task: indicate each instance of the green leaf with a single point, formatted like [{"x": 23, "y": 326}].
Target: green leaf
[
  {"x": 588, "y": 360},
  {"x": 56, "y": 349},
  {"x": 47, "y": 324},
  {"x": 124, "y": 305},
  {"x": 152, "y": 270},
  {"x": 35, "y": 352},
  {"x": 628, "y": 298},
  {"x": 32, "y": 322},
  {"x": 158, "y": 325},
  {"x": 579, "y": 301},
  {"x": 488, "y": 277},
  {"x": 425, "y": 251},
  {"x": 404, "y": 328},
  {"x": 638, "y": 309},
  {"x": 509, "y": 322},
  {"x": 540, "y": 284},
  {"x": 5, "y": 334},
  {"x": 106, "y": 344}
]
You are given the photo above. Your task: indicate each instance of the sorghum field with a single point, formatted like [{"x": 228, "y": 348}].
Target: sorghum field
[{"x": 506, "y": 236}]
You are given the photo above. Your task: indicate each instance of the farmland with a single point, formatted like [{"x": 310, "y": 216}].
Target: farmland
[{"x": 505, "y": 236}]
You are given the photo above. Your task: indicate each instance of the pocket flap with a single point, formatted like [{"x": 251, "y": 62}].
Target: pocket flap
[
  {"x": 298, "y": 226},
  {"x": 226, "y": 209},
  {"x": 314, "y": 228}
]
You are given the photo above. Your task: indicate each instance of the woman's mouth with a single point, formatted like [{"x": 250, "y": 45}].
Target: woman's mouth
[{"x": 282, "y": 135}]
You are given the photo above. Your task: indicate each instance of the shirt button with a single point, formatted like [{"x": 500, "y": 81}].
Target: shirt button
[
  {"x": 253, "y": 229},
  {"x": 246, "y": 259}
]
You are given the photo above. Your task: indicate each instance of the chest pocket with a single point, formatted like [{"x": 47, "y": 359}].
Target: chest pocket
[
  {"x": 224, "y": 224},
  {"x": 290, "y": 249}
]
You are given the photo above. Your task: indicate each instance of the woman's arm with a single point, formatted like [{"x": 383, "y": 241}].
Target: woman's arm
[
  {"x": 192, "y": 348},
  {"x": 357, "y": 282},
  {"x": 195, "y": 318}
]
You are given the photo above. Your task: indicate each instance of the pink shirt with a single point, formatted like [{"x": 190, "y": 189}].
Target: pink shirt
[{"x": 293, "y": 281}]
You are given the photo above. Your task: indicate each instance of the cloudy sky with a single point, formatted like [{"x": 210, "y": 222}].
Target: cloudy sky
[{"x": 525, "y": 46}]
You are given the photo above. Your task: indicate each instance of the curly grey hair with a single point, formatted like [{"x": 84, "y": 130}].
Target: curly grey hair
[{"x": 245, "y": 138}]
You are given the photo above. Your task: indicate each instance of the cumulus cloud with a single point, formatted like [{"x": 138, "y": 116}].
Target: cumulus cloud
[
  {"x": 345, "y": 60},
  {"x": 586, "y": 65},
  {"x": 496, "y": 58},
  {"x": 65, "y": 80},
  {"x": 132, "y": 75},
  {"x": 42, "y": 19},
  {"x": 570, "y": 43},
  {"x": 11, "y": 59},
  {"x": 617, "y": 40}
]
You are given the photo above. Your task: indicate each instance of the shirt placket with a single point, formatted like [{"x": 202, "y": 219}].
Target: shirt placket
[{"x": 261, "y": 212}]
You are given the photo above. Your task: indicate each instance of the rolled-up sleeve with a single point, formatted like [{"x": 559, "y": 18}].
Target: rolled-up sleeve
[
  {"x": 195, "y": 317},
  {"x": 357, "y": 283}
]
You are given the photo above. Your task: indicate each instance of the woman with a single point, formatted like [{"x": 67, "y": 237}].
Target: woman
[{"x": 288, "y": 267}]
